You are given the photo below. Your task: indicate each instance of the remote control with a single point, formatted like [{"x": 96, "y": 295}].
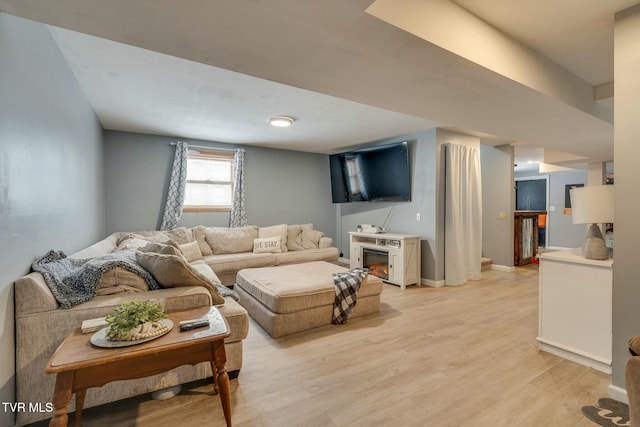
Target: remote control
[
  {"x": 194, "y": 325},
  {"x": 182, "y": 322}
]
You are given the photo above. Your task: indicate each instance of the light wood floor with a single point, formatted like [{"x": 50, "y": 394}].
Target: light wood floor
[{"x": 452, "y": 356}]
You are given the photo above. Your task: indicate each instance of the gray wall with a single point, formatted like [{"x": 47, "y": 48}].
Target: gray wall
[
  {"x": 497, "y": 197},
  {"x": 281, "y": 186},
  {"x": 626, "y": 268},
  {"x": 562, "y": 233},
  {"x": 402, "y": 215},
  {"x": 51, "y": 168},
  {"x": 427, "y": 198}
]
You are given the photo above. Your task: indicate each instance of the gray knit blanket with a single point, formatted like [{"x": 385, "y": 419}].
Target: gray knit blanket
[{"x": 74, "y": 281}]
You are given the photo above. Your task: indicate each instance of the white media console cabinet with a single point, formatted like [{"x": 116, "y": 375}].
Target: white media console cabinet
[{"x": 395, "y": 258}]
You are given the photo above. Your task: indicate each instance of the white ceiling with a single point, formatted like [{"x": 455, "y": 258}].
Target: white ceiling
[
  {"x": 138, "y": 90},
  {"x": 577, "y": 34},
  {"x": 217, "y": 70}
]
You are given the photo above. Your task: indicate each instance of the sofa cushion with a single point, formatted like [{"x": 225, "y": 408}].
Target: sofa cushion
[
  {"x": 168, "y": 248},
  {"x": 231, "y": 240},
  {"x": 206, "y": 271},
  {"x": 179, "y": 235},
  {"x": 294, "y": 236},
  {"x": 191, "y": 251},
  {"x": 294, "y": 257},
  {"x": 199, "y": 234},
  {"x": 172, "y": 271},
  {"x": 273, "y": 231},
  {"x": 311, "y": 239},
  {"x": 104, "y": 246},
  {"x": 119, "y": 279},
  {"x": 234, "y": 262},
  {"x": 131, "y": 242},
  {"x": 307, "y": 226},
  {"x": 267, "y": 245}
]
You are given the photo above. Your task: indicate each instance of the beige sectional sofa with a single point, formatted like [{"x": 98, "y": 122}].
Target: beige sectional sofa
[
  {"x": 228, "y": 251},
  {"x": 41, "y": 324}
]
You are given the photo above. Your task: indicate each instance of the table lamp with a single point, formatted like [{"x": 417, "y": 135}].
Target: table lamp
[{"x": 593, "y": 205}]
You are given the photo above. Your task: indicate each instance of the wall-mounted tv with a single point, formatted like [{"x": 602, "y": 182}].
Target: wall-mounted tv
[{"x": 378, "y": 174}]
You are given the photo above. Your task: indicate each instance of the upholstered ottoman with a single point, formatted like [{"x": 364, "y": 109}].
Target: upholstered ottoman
[{"x": 296, "y": 297}]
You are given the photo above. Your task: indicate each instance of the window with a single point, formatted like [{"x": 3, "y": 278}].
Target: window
[
  {"x": 209, "y": 181},
  {"x": 353, "y": 170}
]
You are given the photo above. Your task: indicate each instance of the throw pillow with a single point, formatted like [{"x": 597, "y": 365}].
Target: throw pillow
[
  {"x": 169, "y": 248},
  {"x": 180, "y": 235},
  {"x": 273, "y": 231},
  {"x": 128, "y": 236},
  {"x": 311, "y": 239},
  {"x": 131, "y": 243},
  {"x": 119, "y": 279},
  {"x": 294, "y": 238},
  {"x": 267, "y": 245},
  {"x": 307, "y": 226},
  {"x": 155, "y": 236},
  {"x": 171, "y": 271},
  {"x": 191, "y": 251},
  {"x": 232, "y": 240},
  {"x": 199, "y": 234}
]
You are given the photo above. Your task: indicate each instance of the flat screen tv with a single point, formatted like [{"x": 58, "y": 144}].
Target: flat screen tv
[{"x": 375, "y": 174}]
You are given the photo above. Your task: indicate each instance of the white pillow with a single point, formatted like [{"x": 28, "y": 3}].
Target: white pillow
[
  {"x": 267, "y": 245},
  {"x": 273, "y": 231}
]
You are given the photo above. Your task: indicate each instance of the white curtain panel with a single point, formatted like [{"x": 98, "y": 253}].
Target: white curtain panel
[
  {"x": 238, "y": 217},
  {"x": 176, "y": 190},
  {"x": 463, "y": 214}
]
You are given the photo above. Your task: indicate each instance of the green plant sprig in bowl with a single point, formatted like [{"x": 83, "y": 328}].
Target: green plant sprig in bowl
[{"x": 129, "y": 315}]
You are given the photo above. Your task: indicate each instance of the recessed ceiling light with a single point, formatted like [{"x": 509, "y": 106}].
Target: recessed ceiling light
[{"x": 281, "y": 121}]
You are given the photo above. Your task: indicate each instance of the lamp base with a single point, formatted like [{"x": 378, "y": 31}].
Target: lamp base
[{"x": 594, "y": 246}]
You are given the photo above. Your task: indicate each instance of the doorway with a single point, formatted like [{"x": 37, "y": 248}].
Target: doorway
[{"x": 532, "y": 195}]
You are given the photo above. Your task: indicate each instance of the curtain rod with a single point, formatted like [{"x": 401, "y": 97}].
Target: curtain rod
[{"x": 206, "y": 148}]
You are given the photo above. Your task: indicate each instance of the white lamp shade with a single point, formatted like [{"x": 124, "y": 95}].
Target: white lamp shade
[{"x": 592, "y": 204}]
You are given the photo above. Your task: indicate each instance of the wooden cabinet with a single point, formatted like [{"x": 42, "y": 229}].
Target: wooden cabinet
[
  {"x": 395, "y": 258},
  {"x": 525, "y": 241},
  {"x": 575, "y": 308}
]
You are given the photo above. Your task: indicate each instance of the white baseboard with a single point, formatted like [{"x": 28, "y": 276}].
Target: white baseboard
[
  {"x": 575, "y": 355},
  {"x": 502, "y": 268},
  {"x": 618, "y": 393},
  {"x": 345, "y": 260},
  {"x": 432, "y": 283}
]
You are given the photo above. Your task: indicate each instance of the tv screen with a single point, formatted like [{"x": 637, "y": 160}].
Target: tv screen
[{"x": 371, "y": 174}]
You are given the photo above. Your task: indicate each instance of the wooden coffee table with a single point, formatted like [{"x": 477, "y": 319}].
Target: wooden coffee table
[{"x": 80, "y": 365}]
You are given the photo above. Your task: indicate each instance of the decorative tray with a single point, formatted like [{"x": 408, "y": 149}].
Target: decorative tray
[{"x": 99, "y": 339}]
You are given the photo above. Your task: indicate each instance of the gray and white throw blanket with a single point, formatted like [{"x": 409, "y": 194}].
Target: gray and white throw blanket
[
  {"x": 346, "y": 285},
  {"x": 74, "y": 281}
]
